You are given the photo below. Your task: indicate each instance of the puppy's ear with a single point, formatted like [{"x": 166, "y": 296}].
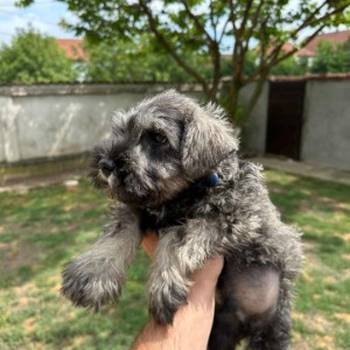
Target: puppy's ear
[
  {"x": 119, "y": 123},
  {"x": 208, "y": 138}
]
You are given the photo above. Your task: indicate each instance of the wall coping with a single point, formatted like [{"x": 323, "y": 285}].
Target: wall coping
[
  {"x": 319, "y": 77},
  {"x": 92, "y": 89},
  {"x": 323, "y": 77},
  {"x": 142, "y": 87}
]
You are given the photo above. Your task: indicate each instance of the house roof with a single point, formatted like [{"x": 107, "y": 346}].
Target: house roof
[
  {"x": 73, "y": 48},
  {"x": 305, "y": 52},
  {"x": 287, "y": 47},
  {"x": 336, "y": 38}
]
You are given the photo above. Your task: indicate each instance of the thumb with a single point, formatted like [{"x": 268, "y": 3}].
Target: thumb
[{"x": 205, "y": 279}]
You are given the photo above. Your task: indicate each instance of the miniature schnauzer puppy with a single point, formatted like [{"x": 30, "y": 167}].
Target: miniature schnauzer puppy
[{"x": 173, "y": 167}]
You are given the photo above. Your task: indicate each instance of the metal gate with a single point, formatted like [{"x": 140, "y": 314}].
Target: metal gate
[{"x": 285, "y": 118}]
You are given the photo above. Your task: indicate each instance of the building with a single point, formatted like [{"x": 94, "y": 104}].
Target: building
[
  {"x": 73, "y": 49},
  {"x": 310, "y": 50}
]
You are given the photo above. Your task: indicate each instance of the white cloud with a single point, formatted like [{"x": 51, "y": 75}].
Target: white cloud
[
  {"x": 44, "y": 16},
  {"x": 11, "y": 24}
]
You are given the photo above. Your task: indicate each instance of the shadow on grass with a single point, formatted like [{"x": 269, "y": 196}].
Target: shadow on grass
[
  {"x": 321, "y": 209},
  {"x": 39, "y": 232},
  {"x": 44, "y": 228}
]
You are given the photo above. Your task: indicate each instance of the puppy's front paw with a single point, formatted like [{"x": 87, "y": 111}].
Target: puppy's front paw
[
  {"x": 165, "y": 299},
  {"x": 91, "y": 282}
]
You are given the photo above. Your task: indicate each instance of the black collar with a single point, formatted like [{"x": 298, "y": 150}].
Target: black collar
[{"x": 177, "y": 210}]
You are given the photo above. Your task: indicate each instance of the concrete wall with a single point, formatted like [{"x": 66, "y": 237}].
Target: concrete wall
[
  {"x": 57, "y": 120},
  {"x": 253, "y": 138},
  {"x": 49, "y": 121},
  {"x": 3, "y": 103},
  {"x": 326, "y": 130}
]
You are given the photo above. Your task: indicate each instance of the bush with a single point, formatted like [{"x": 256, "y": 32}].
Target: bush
[{"x": 32, "y": 57}]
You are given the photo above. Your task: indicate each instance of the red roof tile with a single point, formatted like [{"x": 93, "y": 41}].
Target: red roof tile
[
  {"x": 304, "y": 52},
  {"x": 286, "y": 48},
  {"x": 336, "y": 37},
  {"x": 73, "y": 48}
]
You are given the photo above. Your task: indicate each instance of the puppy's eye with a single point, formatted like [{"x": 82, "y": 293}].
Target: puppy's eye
[{"x": 158, "y": 138}]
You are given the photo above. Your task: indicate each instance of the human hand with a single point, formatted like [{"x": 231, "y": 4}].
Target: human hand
[{"x": 192, "y": 322}]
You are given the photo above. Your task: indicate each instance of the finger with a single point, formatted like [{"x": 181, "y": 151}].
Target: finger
[
  {"x": 203, "y": 289},
  {"x": 150, "y": 242},
  {"x": 210, "y": 271}
]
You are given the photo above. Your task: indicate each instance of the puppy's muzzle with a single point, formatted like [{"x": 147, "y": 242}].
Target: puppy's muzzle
[
  {"x": 118, "y": 167},
  {"x": 107, "y": 166}
]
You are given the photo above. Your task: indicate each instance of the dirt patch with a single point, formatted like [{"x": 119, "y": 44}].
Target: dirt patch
[
  {"x": 346, "y": 274},
  {"x": 311, "y": 258},
  {"x": 28, "y": 324},
  {"x": 78, "y": 342},
  {"x": 308, "y": 247},
  {"x": 316, "y": 322},
  {"x": 343, "y": 316},
  {"x": 54, "y": 283},
  {"x": 33, "y": 345},
  {"x": 23, "y": 296},
  {"x": 16, "y": 255},
  {"x": 319, "y": 326},
  {"x": 301, "y": 345},
  {"x": 330, "y": 279},
  {"x": 346, "y": 237},
  {"x": 326, "y": 342},
  {"x": 346, "y": 257},
  {"x": 333, "y": 203}
]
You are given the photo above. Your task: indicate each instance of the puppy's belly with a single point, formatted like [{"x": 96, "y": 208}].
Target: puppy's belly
[{"x": 249, "y": 292}]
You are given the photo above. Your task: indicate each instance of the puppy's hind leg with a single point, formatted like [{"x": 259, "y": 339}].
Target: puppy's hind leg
[
  {"x": 227, "y": 330},
  {"x": 275, "y": 334}
]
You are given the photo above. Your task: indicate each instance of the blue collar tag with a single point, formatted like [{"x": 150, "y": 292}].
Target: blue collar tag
[
  {"x": 206, "y": 182},
  {"x": 212, "y": 180}
]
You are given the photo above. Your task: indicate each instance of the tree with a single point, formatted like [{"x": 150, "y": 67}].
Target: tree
[
  {"x": 130, "y": 61},
  {"x": 32, "y": 57},
  {"x": 208, "y": 26},
  {"x": 331, "y": 58},
  {"x": 290, "y": 66}
]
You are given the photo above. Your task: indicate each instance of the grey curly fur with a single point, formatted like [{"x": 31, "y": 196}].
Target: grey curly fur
[{"x": 160, "y": 150}]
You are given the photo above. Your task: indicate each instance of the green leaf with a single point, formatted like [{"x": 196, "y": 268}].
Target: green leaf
[{"x": 32, "y": 57}]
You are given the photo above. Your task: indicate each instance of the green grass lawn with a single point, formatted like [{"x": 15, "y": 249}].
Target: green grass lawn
[{"x": 42, "y": 229}]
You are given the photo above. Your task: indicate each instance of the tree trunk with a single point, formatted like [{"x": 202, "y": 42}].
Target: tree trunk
[{"x": 230, "y": 101}]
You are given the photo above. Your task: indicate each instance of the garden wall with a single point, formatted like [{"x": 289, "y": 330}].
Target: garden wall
[
  {"x": 253, "y": 138},
  {"x": 326, "y": 130},
  {"x": 50, "y": 121},
  {"x": 325, "y": 134}
]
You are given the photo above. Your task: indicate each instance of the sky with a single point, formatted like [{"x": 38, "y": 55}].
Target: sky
[{"x": 44, "y": 15}]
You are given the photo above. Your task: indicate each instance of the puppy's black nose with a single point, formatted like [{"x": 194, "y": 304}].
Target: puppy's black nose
[{"x": 107, "y": 166}]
